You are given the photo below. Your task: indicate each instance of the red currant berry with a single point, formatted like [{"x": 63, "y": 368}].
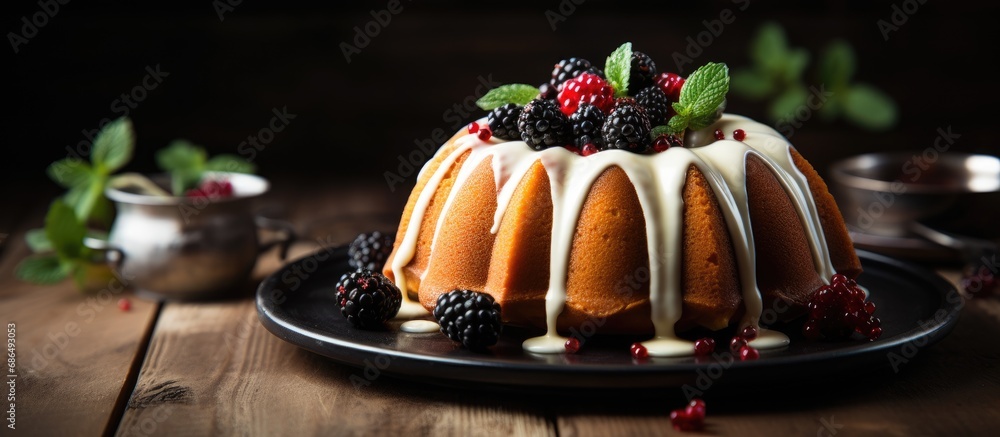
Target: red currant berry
[
  {"x": 588, "y": 149},
  {"x": 473, "y": 128},
  {"x": 572, "y": 148},
  {"x": 485, "y": 134},
  {"x": 719, "y": 135},
  {"x": 749, "y": 333},
  {"x": 696, "y": 408},
  {"x": 572, "y": 345},
  {"x": 670, "y": 84},
  {"x": 704, "y": 346},
  {"x": 736, "y": 343},
  {"x": 739, "y": 135},
  {"x": 875, "y": 333},
  {"x": 124, "y": 304},
  {"x": 661, "y": 144},
  {"x": 639, "y": 351},
  {"x": 748, "y": 353}
]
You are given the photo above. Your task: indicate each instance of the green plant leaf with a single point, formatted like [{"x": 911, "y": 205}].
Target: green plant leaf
[
  {"x": 516, "y": 93},
  {"x": 705, "y": 89},
  {"x": 869, "y": 107},
  {"x": 677, "y": 124},
  {"x": 37, "y": 240},
  {"x": 70, "y": 172},
  {"x": 752, "y": 84},
  {"x": 42, "y": 269},
  {"x": 701, "y": 122},
  {"x": 113, "y": 146},
  {"x": 785, "y": 105},
  {"x": 659, "y": 130},
  {"x": 836, "y": 65},
  {"x": 183, "y": 180},
  {"x": 230, "y": 163},
  {"x": 181, "y": 155},
  {"x": 795, "y": 63},
  {"x": 618, "y": 67},
  {"x": 769, "y": 48},
  {"x": 64, "y": 230}
]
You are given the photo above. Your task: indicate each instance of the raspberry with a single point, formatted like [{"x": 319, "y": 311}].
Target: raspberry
[
  {"x": 503, "y": 122},
  {"x": 642, "y": 72},
  {"x": 626, "y": 128},
  {"x": 670, "y": 84},
  {"x": 570, "y": 68},
  {"x": 212, "y": 189},
  {"x": 586, "y": 125},
  {"x": 655, "y": 102},
  {"x": 543, "y": 125},
  {"x": 470, "y": 318},
  {"x": 586, "y": 88},
  {"x": 367, "y": 299}
]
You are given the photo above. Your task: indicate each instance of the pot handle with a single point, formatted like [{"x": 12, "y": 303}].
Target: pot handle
[
  {"x": 113, "y": 255},
  {"x": 286, "y": 230}
]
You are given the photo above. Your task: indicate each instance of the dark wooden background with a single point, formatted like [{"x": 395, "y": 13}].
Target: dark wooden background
[{"x": 354, "y": 119}]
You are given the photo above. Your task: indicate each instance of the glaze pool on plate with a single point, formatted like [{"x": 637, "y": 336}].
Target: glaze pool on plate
[{"x": 915, "y": 306}]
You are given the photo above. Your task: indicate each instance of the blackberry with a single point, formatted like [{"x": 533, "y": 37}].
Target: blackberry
[
  {"x": 642, "y": 73},
  {"x": 547, "y": 92},
  {"x": 503, "y": 122},
  {"x": 567, "y": 69},
  {"x": 367, "y": 299},
  {"x": 626, "y": 128},
  {"x": 370, "y": 251},
  {"x": 655, "y": 103},
  {"x": 469, "y": 317},
  {"x": 542, "y": 125},
  {"x": 586, "y": 125}
]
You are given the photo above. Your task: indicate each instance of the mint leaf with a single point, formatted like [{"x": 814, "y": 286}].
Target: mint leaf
[
  {"x": 659, "y": 130},
  {"x": 64, "y": 230},
  {"x": 42, "y": 269},
  {"x": 70, "y": 172},
  {"x": 795, "y": 63},
  {"x": 836, "y": 65},
  {"x": 869, "y": 107},
  {"x": 516, "y": 93},
  {"x": 618, "y": 67},
  {"x": 37, "y": 240},
  {"x": 784, "y": 106},
  {"x": 704, "y": 90},
  {"x": 113, "y": 145},
  {"x": 183, "y": 180},
  {"x": 752, "y": 84},
  {"x": 229, "y": 163},
  {"x": 701, "y": 122},
  {"x": 769, "y": 48},
  {"x": 678, "y": 124},
  {"x": 181, "y": 155}
]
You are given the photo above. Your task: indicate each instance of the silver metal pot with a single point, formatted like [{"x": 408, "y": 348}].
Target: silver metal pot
[{"x": 189, "y": 248}]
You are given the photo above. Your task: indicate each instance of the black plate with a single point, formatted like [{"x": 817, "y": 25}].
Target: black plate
[{"x": 296, "y": 303}]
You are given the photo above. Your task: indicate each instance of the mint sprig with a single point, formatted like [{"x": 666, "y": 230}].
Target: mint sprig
[
  {"x": 516, "y": 93},
  {"x": 64, "y": 234},
  {"x": 618, "y": 67},
  {"x": 187, "y": 163},
  {"x": 703, "y": 92}
]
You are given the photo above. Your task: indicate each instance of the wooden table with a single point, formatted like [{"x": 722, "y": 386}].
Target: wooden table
[{"x": 85, "y": 367}]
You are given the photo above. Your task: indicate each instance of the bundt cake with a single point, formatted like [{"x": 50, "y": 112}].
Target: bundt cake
[{"x": 708, "y": 234}]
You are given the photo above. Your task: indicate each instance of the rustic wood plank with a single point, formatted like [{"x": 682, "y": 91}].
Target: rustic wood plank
[
  {"x": 75, "y": 353},
  {"x": 950, "y": 388}
]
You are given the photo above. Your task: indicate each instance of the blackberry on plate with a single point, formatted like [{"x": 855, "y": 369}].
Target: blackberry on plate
[
  {"x": 642, "y": 73},
  {"x": 586, "y": 125},
  {"x": 626, "y": 128},
  {"x": 542, "y": 125},
  {"x": 655, "y": 103},
  {"x": 367, "y": 299},
  {"x": 470, "y": 318},
  {"x": 370, "y": 251},
  {"x": 503, "y": 122},
  {"x": 567, "y": 69}
]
